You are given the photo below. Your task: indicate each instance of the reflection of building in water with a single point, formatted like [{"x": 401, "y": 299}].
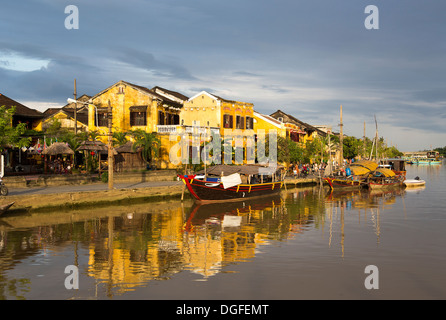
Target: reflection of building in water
[
  {"x": 129, "y": 249},
  {"x": 135, "y": 249}
]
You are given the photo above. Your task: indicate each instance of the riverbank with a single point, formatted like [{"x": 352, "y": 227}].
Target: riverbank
[{"x": 71, "y": 193}]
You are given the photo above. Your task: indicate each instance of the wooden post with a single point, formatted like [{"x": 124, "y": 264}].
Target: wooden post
[
  {"x": 341, "y": 142},
  {"x": 75, "y": 108},
  {"x": 110, "y": 148}
]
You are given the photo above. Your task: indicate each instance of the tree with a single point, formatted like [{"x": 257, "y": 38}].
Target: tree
[
  {"x": 352, "y": 147},
  {"x": 10, "y": 135},
  {"x": 148, "y": 142},
  {"x": 119, "y": 138}
]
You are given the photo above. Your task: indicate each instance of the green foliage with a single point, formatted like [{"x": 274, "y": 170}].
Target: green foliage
[
  {"x": 442, "y": 151},
  {"x": 119, "y": 138},
  {"x": 104, "y": 177},
  {"x": 148, "y": 142},
  {"x": 10, "y": 135}
]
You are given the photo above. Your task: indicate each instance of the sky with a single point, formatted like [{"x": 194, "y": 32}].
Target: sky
[{"x": 304, "y": 57}]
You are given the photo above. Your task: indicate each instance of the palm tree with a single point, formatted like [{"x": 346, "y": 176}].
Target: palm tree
[
  {"x": 119, "y": 138},
  {"x": 148, "y": 143}
]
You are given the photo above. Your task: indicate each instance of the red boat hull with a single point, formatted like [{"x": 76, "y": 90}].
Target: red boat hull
[{"x": 203, "y": 190}]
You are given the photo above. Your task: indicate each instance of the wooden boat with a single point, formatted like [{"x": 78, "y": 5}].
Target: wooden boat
[
  {"x": 226, "y": 182},
  {"x": 336, "y": 183},
  {"x": 395, "y": 164},
  {"x": 413, "y": 183},
  {"x": 356, "y": 176},
  {"x": 433, "y": 157},
  {"x": 427, "y": 161},
  {"x": 5, "y": 207},
  {"x": 384, "y": 178}
]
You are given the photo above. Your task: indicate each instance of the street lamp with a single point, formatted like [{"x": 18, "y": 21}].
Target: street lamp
[{"x": 110, "y": 136}]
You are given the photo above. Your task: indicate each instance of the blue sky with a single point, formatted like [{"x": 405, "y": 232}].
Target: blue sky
[{"x": 304, "y": 57}]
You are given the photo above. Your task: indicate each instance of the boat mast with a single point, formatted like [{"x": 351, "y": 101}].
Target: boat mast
[{"x": 341, "y": 142}]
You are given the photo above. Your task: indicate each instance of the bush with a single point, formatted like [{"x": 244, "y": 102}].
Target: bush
[{"x": 104, "y": 177}]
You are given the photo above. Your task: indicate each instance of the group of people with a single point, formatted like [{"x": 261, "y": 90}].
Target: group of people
[
  {"x": 60, "y": 166},
  {"x": 302, "y": 170}
]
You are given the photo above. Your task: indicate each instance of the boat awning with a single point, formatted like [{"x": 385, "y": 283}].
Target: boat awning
[
  {"x": 249, "y": 169},
  {"x": 384, "y": 172},
  {"x": 362, "y": 167}
]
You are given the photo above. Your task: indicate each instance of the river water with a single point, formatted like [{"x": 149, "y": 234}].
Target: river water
[{"x": 305, "y": 244}]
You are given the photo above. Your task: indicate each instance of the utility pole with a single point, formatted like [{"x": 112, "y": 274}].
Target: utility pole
[
  {"x": 341, "y": 143},
  {"x": 75, "y": 108},
  {"x": 110, "y": 148},
  {"x": 364, "y": 143}
]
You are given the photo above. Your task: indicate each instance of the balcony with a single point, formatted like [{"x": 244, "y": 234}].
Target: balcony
[{"x": 176, "y": 128}]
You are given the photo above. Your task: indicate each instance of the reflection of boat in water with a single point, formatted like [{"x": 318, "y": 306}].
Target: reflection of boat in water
[
  {"x": 365, "y": 198},
  {"x": 228, "y": 214},
  {"x": 225, "y": 182}
]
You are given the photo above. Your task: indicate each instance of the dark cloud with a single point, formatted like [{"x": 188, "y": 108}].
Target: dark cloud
[{"x": 304, "y": 57}]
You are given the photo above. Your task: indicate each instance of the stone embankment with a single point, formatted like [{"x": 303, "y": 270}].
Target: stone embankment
[{"x": 63, "y": 192}]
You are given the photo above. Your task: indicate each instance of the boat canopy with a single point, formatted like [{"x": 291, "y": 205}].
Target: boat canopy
[
  {"x": 384, "y": 172},
  {"x": 247, "y": 169},
  {"x": 363, "y": 167}
]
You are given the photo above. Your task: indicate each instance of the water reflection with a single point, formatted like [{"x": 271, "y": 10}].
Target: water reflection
[{"x": 123, "y": 248}]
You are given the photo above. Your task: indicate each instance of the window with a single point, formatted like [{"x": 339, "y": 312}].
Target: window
[
  {"x": 227, "y": 121},
  {"x": 240, "y": 122},
  {"x": 102, "y": 119},
  {"x": 138, "y": 118},
  {"x": 249, "y": 123},
  {"x": 161, "y": 118}
]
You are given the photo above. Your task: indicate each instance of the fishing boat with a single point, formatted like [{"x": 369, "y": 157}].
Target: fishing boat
[
  {"x": 432, "y": 157},
  {"x": 5, "y": 207},
  {"x": 384, "y": 178},
  {"x": 355, "y": 176},
  {"x": 227, "y": 182},
  {"x": 395, "y": 164},
  {"x": 413, "y": 183}
]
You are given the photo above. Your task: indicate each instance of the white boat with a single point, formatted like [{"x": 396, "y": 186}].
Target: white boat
[{"x": 417, "y": 182}]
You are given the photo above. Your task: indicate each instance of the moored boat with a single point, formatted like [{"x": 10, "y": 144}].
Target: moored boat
[
  {"x": 413, "y": 183},
  {"x": 226, "y": 182},
  {"x": 384, "y": 178},
  {"x": 355, "y": 176},
  {"x": 395, "y": 164}
]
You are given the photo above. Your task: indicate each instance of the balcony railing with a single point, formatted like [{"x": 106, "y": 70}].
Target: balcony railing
[
  {"x": 185, "y": 129},
  {"x": 167, "y": 128}
]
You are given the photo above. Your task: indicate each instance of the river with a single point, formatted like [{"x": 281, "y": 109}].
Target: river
[{"x": 305, "y": 244}]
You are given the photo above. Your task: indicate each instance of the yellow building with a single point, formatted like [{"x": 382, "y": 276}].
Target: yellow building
[
  {"x": 208, "y": 110},
  {"x": 136, "y": 107},
  {"x": 297, "y": 130},
  {"x": 133, "y": 107},
  {"x": 66, "y": 117},
  {"x": 265, "y": 123}
]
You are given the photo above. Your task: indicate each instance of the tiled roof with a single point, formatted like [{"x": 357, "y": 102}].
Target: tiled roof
[{"x": 21, "y": 110}]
